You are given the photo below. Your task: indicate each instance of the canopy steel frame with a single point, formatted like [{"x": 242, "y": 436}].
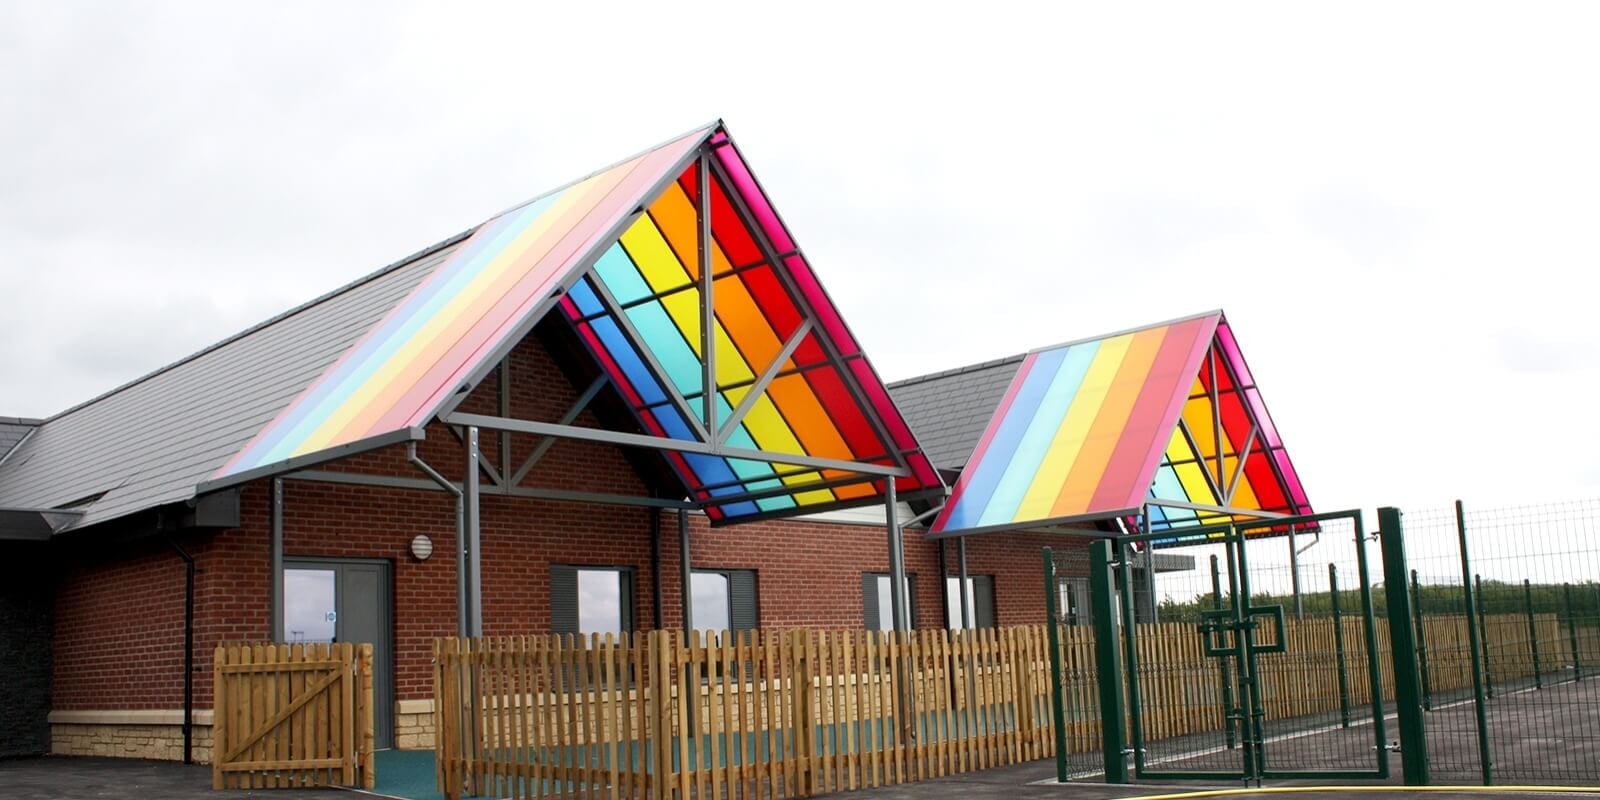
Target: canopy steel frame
[
  {"x": 711, "y": 436},
  {"x": 647, "y": 441}
]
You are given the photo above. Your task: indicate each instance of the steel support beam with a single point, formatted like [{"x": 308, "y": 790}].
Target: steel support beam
[
  {"x": 685, "y": 571},
  {"x": 472, "y": 524},
  {"x": 961, "y": 567},
  {"x": 760, "y": 387},
  {"x": 708, "y": 307},
  {"x": 557, "y": 495},
  {"x": 1238, "y": 468},
  {"x": 675, "y": 397},
  {"x": 897, "y": 561},
  {"x": 1229, "y": 510},
  {"x": 504, "y": 456},
  {"x": 1294, "y": 577},
  {"x": 546, "y": 443},
  {"x": 1216, "y": 418},
  {"x": 1205, "y": 470},
  {"x": 662, "y": 443},
  {"x": 275, "y": 562},
  {"x": 1050, "y": 525},
  {"x": 780, "y": 269},
  {"x": 924, "y": 516}
]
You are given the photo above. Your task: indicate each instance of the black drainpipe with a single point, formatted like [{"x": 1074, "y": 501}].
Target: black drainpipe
[
  {"x": 188, "y": 651},
  {"x": 655, "y": 563}
]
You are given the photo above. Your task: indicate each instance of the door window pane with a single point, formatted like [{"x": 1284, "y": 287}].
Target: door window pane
[
  {"x": 309, "y": 605},
  {"x": 886, "y": 602},
  {"x": 952, "y": 599},
  {"x": 600, "y": 601},
  {"x": 711, "y": 601}
]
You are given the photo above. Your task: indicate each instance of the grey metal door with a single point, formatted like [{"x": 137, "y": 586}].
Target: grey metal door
[{"x": 345, "y": 600}]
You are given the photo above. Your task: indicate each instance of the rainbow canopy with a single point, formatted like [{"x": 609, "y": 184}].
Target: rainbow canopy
[
  {"x": 1096, "y": 429},
  {"x": 618, "y": 255}
]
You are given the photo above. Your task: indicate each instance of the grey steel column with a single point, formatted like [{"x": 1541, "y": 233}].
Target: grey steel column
[
  {"x": 1150, "y": 583},
  {"x": 463, "y": 624},
  {"x": 961, "y": 561},
  {"x": 275, "y": 559},
  {"x": 1294, "y": 576},
  {"x": 685, "y": 574},
  {"x": 473, "y": 524},
  {"x": 897, "y": 560}
]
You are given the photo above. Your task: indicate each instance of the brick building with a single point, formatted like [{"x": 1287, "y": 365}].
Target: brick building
[{"x": 528, "y": 393}]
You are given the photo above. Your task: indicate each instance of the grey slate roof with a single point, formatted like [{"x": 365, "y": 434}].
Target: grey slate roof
[
  {"x": 949, "y": 410},
  {"x": 149, "y": 443},
  {"x": 13, "y": 430}
]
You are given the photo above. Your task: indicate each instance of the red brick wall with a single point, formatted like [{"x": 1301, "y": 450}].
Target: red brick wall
[
  {"x": 118, "y": 637},
  {"x": 120, "y": 615}
]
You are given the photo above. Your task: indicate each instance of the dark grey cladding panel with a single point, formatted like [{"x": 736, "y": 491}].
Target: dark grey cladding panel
[
  {"x": 150, "y": 442},
  {"x": 949, "y": 410}
]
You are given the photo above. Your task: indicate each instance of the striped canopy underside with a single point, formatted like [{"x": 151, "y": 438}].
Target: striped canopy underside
[
  {"x": 826, "y": 401},
  {"x": 1091, "y": 429}
]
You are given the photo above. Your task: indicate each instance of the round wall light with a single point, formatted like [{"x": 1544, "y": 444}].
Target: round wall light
[{"x": 421, "y": 547}]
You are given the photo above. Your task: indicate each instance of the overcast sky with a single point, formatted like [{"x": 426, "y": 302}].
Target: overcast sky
[{"x": 1397, "y": 206}]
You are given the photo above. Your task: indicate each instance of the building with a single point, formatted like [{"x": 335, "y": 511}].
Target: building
[{"x": 507, "y": 433}]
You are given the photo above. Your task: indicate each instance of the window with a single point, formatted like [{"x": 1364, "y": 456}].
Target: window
[
  {"x": 875, "y": 595},
  {"x": 980, "y": 600},
  {"x": 724, "y": 599},
  {"x": 589, "y": 600},
  {"x": 1072, "y": 600}
]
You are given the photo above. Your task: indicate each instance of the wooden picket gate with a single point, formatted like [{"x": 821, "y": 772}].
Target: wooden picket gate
[{"x": 292, "y": 716}]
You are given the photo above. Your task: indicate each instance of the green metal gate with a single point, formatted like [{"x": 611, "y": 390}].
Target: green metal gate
[{"x": 1239, "y": 654}]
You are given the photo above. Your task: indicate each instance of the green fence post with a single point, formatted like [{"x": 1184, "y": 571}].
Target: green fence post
[
  {"x": 1230, "y": 725},
  {"x": 1338, "y": 645},
  {"x": 1572, "y": 633},
  {"x": 1474, "y": 640},
  {"x": 1422, "y": 641},
  {"x": 1057, "y": 702},
  {"x": 1403, "y": 642},
  {"x": 1483, "y": 636},
  {"x": 1108, "y": 663},
  {"x": 1533, "y": 633}
]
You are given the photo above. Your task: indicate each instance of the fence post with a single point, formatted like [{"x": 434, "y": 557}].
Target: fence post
[
  {"x": 1229, "y": 723},
  {"x": 1533, "y": 633},
  {"x": 1108, "y": 662},
  {"x": 1338, "y": 644},
  {"x": 1422, "y": 641},
  {"x": 1483, "y": 636},
  {"x": 1057, "y": 703},
  {"x": 1572, "y": 633},
  {"x": 1407, "y": 678},
  {"x": 1474, "y": 640}
]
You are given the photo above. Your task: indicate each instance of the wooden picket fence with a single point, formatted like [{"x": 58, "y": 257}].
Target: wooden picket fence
[
  {"x": 757, "y": 714},
  {"x": 796, "y": 713},
  {"x": 292, "y": 716}
]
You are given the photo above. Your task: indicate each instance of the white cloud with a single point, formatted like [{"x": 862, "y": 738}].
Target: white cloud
[{"x": 1395, "y": 204}]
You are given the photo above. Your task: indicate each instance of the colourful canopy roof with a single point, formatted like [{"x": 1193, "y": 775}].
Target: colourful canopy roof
[
  {"x": 1091, "y": 430},
  {"x": 628, "y": 283}
]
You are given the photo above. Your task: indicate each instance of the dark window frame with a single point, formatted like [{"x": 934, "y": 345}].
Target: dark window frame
[
  {"x": 739, "y": 578},
  {"x": 872, "y": 616},
  {"x": 984, "y": 612},
  {"x": 627, "y": 587}
]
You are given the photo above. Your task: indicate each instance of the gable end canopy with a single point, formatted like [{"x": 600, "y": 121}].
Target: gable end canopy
[
  {"x": 676, "y": 273},
  {"x": 1163, "y": 424}
]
